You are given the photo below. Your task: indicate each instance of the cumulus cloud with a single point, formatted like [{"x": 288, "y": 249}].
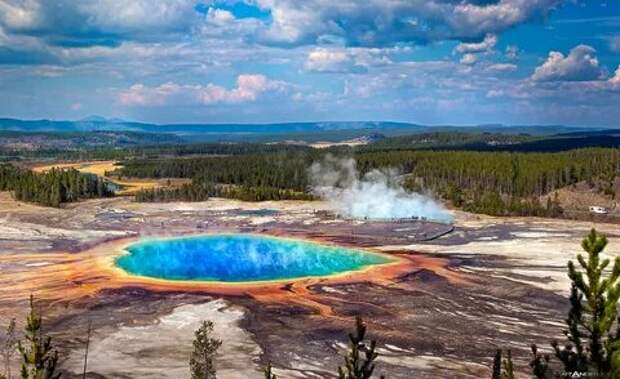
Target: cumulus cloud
[
  {"x": 580, "y": 64},
  {"x": 488, "y": 43},
  {"x": 248, "y": 88},
  {"x": 375, "y": 23},
  {"x": 345, "y": 59},
  {"x": 220, "y": 23},
  {"x": 469, "y": 59},
  {"x": 614, "y": 81},
  {"x": 370, "y": 23},
  {"x": 96, "y": 22},
  {"x": 329, "y": 60}
]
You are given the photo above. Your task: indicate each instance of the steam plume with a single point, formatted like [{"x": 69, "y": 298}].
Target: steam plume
[{"x": 377, "y": 195}]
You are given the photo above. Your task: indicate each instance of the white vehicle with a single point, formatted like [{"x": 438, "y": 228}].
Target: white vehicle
[{"x": 599, "y": 210}]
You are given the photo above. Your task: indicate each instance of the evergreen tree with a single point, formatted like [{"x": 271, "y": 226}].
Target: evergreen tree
[
  {"x": 540, "y": 364},
  {"x": 497, "y": 366},
  {"x": 51, "y": 188},
  {"x": 39, "y": 358},
  {"x": 8, "y": 349},
  {"x": 202, "y": 359},
  {"x": 268, "y": 373},
  {"x": 593, "y": 322},
  {"x": 503, "y": 367},
  {"x": 508, "y": 371},
  {"x": 593, "y": 331},
  {"x": 358, "y": 366}
]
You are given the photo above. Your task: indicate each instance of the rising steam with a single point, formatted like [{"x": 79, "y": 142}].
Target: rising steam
[{"x": 377, "y": 195}]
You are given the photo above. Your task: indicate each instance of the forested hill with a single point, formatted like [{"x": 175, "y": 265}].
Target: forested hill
[
  {"x": 498, "y": 142},
  {"x": 497, "y": 183},
  {"x": 333, "y": 131},
  {"x": 207, "y": 128}
]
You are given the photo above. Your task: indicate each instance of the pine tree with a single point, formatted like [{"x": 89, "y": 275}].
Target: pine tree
[
  {"x": 540, "y": 364},
  {"x": 39, "y": 358},
  {"x": 593, "y": 322},
  {"x": 593, "y": 334},
  {"x": 202, "y": 365},
  {"x": 268, "y": 373},
  {"x": 356, "y": 366},
  {"x": 8, "y": 349},
  {"x": 497, "y": 365},
  {"x": 508, "y": 371},
  {"x": 503, "y": 368}
]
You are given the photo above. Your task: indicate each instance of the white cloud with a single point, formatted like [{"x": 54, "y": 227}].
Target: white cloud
[
  {"x": 580, "y": 64},
  {"x": 374, "y": 23},
  {"x": 346, "y": 59},
  {"x": 497, "y": 16},
  {"x": 97, "y": 22},
  {"x": 494, "y": 93},
  {"x": 328, "y": 60},
  {"x": 469, "y": 59},
  {"x": 249, "y": 87},
  {"x": 221, "y": 24},
  {"x": 614, "y": 81},
  {"x": 19, "y": 14},
  {"x": 502, "y": 67},
  {"x": 219, "y": 16},
  {"x": 488, "y": 43}
]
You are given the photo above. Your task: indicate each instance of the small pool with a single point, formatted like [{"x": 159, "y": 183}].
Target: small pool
[{"x": 241, "y": 258}]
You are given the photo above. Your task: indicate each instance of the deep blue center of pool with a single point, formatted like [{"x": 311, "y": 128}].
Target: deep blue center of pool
[{"x": 240, "y": 258}]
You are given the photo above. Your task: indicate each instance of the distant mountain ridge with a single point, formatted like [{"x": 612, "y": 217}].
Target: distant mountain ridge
[
  {"x": 308, "y": 131},
  {"x": 101, "y": 123}
]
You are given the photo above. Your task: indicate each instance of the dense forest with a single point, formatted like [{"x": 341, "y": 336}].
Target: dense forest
[
  {"x": 448, "y": 140},
  {"x": 282, "y": 170},
  {"x": 51, "y": 188},
  {"x": 493, "y": 173},
  {"x": 150, "y": 151},
  {"x": 497, "y": 183},
  {"x": 466, "y": 141},
  {"x": 243, "y": 178},
  {"x": 202, "y": 191}
]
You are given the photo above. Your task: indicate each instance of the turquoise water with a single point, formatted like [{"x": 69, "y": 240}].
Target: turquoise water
[{"x": 240, "y": 258}]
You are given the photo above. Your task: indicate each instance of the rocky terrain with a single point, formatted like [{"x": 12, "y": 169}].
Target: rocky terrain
[{"x": 490, "y": 282}]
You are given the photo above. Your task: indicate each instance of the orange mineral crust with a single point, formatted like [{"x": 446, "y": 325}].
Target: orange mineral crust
[{"x": 63, "y": 276}]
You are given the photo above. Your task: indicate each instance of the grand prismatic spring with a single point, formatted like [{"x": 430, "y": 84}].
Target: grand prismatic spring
[{"x": 237, "y": 258}]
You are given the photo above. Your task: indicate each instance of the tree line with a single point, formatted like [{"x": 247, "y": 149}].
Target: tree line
[
  {"x": 485, "y": 141},
  {"x": 53, "y": 187},
  {"x": 253, "y": 177},
  {"x": 496, "y": 183},
  {"x": 201, "y": 191},
  {"x": 499, "y": 183}
]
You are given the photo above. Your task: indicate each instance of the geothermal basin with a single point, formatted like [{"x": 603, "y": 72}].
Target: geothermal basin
[{"x": 240, "y": 258}]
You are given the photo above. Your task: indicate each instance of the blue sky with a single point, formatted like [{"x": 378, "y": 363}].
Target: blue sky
[{"x": 424, "y": 61}]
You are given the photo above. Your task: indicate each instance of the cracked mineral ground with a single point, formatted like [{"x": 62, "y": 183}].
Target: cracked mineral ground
[{"x": 463, "y": 290}]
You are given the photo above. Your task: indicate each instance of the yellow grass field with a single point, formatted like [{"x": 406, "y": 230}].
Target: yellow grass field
[{"x": 128, "y": 186}]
